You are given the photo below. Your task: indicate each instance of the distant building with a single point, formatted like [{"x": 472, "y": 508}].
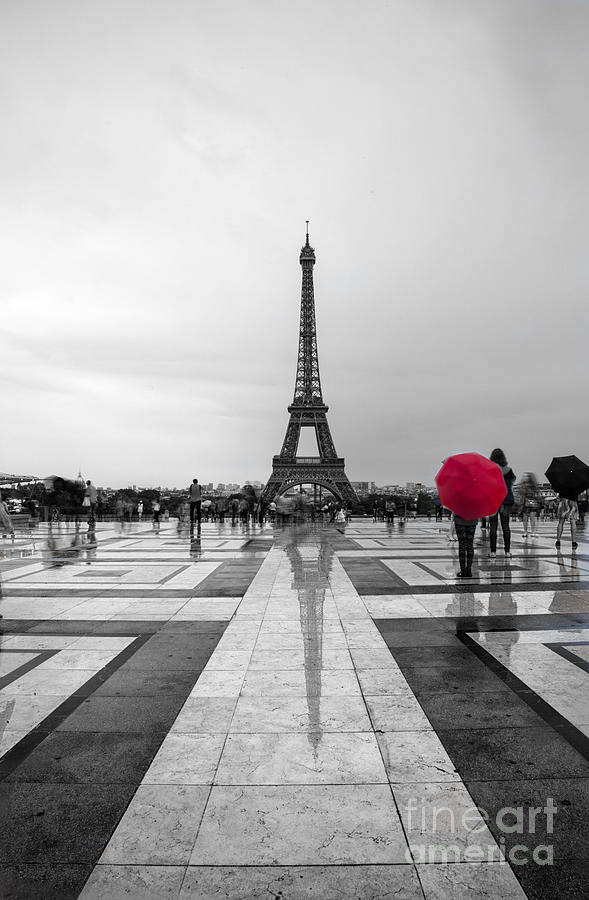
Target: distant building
[
  {"x": 363, "y": 487},
  {"x": 220, "y": 486}
]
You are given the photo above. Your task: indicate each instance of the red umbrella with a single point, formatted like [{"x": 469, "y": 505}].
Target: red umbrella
[{"x": 471, "y": 485}]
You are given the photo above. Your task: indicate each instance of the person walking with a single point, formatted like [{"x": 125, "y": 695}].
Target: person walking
[
  {"x": 465, "y": 531},
  {"x": 140, "y": 510},
  {"x": 530, "y": 490},
  {"x": 244, "y": 511},
  {"x": 90, "y": 498},
  {"x": 390, "y": 510},
  {"x": 583, "y": 505},
  {"x": 222, "y": 504},
  {"x": 502, "y": 514},
  {"x": 568, "y": 511},
  {"x": 156, "y": 508},
  {"x": 6, "y": 526},
  {"x": 195, "y": 497}
]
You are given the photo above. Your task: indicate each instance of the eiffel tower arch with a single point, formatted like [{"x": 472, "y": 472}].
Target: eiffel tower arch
[{"x": 308, "y": 410}]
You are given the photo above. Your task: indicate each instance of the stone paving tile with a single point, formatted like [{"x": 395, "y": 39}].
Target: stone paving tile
[
  {"x": 109, "y": 882},
  {"x": 301, "y": 882},
  {"x": 321, "y": 758},
  {"x": 299, "y": 825},
  {"x": 159, "y": 826}
]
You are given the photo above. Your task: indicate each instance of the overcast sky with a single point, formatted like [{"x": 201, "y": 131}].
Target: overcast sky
[{"x": 157, "y": 163}]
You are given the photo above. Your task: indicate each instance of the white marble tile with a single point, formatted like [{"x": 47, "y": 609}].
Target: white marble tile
[
  {"x": 416, "y": 756},
  {"x": 293, "y": 683},
  {"x": 259, "y": 714},
  {"x": 38, "y": 641},
  {"x": 219, "y": 684},
  {"x": 301, "y": 882},
  {"x": 9, "y": 662},
  {"x": 136, "y": 882},
  {"x": 471, "y": 881},
  {"x": 299, "y": 825},
  {"x": 159, "y": 826},
  {"x": 444, "y": 815},
  {"x": 311, "y": 655},
  {"x": 80, "y": 659},
  {"x": 222, "y": 660},
  {"x": 186, "y": 759},
  {"x": 205, "y": 715},
  {"x": 43, "y": 680},
  {"x": 391, "y": 712},
  {"x": 23, "y": 712},
  {"x": 383, "y": 681},
  {"x": 9, "y": 738},
  {"x": 314, "y": 758}
]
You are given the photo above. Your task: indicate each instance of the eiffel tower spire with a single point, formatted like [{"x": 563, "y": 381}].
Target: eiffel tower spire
[
  {"x": 307, "y": 383},
  {"x": 308, "y": 410}
]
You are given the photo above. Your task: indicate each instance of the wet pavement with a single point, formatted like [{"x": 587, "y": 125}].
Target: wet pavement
[{"x": 314, "y": 711}]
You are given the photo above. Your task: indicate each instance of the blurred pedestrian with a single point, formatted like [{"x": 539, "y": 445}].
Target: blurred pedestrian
[
  {"x": 568, "y": 511},
  {"x": 90, "y": 498},
  {"x": 195, "y": 498},
  {"x": 583, "y": 504},
  {"x": 140, "y": 510},
  {"x": 498, "y": 456},
  {"x": 6, "y": 525},
  {"x": 244, "y": 511},
  {"x": 222, "y": 504},
  {"x": 157, "y": 508},
  {"x": 390, "y": 510},
  {"x": 530, "y": 491}
]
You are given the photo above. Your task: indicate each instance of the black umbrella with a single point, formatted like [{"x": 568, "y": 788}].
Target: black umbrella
[{"x": 568, "y": 475}]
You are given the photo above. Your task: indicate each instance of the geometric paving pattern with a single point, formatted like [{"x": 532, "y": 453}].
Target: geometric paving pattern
[{"x": 307, "y": 711}]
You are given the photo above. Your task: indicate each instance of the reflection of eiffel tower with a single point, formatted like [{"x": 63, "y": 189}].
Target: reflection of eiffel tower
[
  {"x": 310, "y": 567},
  {"x": 308, "y": 410}
]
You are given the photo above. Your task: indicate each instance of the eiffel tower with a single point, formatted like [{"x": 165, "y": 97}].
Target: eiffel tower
[{"x": 308, "y": 410}]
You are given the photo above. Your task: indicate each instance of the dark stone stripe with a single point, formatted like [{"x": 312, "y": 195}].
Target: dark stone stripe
[
  {"x": 231, "y": 579},
  {"x": 66, "y": 785},
  {"x": 506, "y": 757},
  {"x": 17, "y": 754},
  {"x": 570, "y": 655},
  {"x": 575, "y": 738}
]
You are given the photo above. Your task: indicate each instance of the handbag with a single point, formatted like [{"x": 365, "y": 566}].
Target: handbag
[{"x": 86, "y": 501}]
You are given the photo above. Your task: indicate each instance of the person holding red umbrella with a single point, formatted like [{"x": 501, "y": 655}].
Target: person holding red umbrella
[{"x": 471, "y": 486}]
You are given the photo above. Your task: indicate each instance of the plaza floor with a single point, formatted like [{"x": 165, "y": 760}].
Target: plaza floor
[{"x": 315, "y": 711}]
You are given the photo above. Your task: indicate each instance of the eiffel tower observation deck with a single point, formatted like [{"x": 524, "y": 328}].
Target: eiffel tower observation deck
[{"x": 308, "y": 410}]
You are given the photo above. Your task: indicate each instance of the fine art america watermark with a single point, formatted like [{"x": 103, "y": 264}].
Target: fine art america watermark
[{"x": 439, "y": 834}]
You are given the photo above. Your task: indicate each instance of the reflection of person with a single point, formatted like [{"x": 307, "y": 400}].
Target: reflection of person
[
  {"x": 195, "y": 497},
  {"x": 452, "y": 533},
  {"x": 568, "y": 511},
  {"x": 498, "y": 456},
  {"x": 465, "y": 529}
]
